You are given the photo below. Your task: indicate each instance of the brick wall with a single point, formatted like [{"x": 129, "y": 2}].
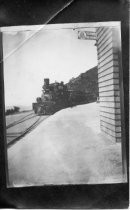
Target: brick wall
[{"x": 108, "y": 78}]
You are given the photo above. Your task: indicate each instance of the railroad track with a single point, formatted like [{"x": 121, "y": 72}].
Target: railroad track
[
  {"x": 20, "y": 120},
  {"x": 25, "y": 132}
]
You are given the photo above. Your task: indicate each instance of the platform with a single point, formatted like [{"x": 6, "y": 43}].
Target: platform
[{"x": 66, "y": 148}]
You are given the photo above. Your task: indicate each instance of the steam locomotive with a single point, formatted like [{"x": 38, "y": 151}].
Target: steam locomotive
[{"x": 55, "y": 96}]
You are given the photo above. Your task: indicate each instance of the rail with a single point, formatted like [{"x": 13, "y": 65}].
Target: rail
[{"x": 25, "y": 132}]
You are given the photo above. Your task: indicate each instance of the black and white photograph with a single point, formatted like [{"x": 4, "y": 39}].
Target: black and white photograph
[{"x": 64, "y": 105}]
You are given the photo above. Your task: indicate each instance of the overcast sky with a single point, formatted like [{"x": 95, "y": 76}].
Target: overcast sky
[{"x": 55, "y": 54}]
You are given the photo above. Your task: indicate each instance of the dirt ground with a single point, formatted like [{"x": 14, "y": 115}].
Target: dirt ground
[{"x": 66, "y": 148}]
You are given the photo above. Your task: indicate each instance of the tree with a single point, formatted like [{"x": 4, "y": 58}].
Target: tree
[{"x": 12, "y": 111}]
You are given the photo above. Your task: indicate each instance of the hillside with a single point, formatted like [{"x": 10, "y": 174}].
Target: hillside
[{"x": 86, "y": 82}]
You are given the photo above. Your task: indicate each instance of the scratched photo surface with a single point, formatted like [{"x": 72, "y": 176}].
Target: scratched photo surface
[{"x": 63, "y": 104}]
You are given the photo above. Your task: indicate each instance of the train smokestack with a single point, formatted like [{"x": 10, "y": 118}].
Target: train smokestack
[{"x": 46, "y": 82}]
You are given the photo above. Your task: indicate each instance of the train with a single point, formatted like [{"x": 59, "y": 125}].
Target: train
[{"x": 56, "y": 96}]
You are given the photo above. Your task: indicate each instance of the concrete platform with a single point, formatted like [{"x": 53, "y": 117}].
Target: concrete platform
[{"x": 66, "y": 148}]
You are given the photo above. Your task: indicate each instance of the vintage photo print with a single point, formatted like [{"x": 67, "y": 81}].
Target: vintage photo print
[{"x": 64, "y": 104}]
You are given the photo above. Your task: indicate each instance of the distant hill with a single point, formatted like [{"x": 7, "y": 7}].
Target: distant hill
[{"x": 86, "y": 82}]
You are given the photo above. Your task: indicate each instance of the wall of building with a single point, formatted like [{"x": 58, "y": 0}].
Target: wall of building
[{"x": 108, "y": 78}]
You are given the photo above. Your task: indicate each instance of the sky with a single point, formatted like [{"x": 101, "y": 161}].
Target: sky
[{"x": 57, "y": 54}]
